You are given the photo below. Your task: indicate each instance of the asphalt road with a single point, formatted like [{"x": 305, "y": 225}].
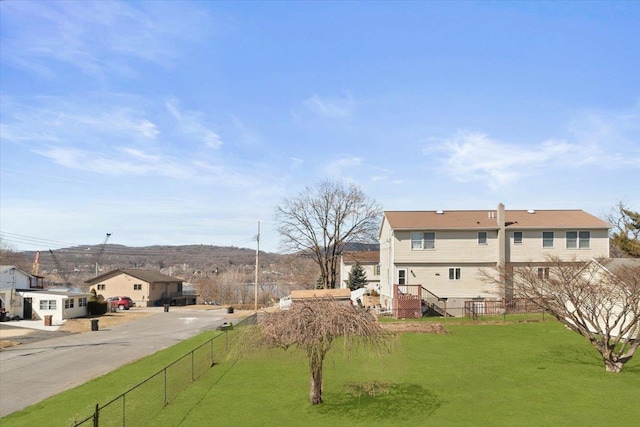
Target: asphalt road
[{"x": 35, "y": 371}]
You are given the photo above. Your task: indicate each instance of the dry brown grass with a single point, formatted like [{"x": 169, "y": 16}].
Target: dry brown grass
[
  {"x": 105, "y": 321},
  {"x": 422, "y": 327}
]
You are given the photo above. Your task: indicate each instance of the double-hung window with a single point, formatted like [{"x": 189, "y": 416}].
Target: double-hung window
[
  {"x": 517, "y": 237},
  {"x": 68, "y": 303},
  {"x": 547, "y": 239},
  {"x": 455, "y": 273},
  {"x": 482, "y": 237},
  {"x": 423, "y": 240},
  {"x": 578, "y": 239}
]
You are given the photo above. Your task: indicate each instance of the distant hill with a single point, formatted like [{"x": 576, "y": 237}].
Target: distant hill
[{"x": 185, "y": 261}]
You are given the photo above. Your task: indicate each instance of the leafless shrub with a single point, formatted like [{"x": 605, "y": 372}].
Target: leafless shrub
[{"x": 312, "y": 326}]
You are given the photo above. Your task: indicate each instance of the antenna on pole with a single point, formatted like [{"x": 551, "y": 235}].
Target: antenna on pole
[{"x": 257, "y": 258}]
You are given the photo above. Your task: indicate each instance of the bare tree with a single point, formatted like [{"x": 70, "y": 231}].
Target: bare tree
[
  {"x": 599, "y": 300},
  {"x": 208, "y": 288},
  {"x": 625, "y": 235},
  {"x": 320, "y": 221},
  {"x": 312, "y": 326},
  {"x": 8, "y": 256}
]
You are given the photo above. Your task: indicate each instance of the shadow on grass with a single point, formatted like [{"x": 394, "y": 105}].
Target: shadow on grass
[{"x": 377, "y": 401}]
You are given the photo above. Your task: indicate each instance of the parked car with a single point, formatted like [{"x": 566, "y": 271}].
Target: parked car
[{"x": 122, "y": 303}]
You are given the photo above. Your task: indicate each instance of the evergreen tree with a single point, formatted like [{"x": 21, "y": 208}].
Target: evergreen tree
[{"x": 357, "y": 277}]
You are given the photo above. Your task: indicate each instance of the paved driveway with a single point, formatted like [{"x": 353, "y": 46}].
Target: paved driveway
[{"x": 32, "y": 372}]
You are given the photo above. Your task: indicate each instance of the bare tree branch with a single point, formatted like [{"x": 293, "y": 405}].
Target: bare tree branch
[
  {"x": 312, "y": 326},
  {"x": 321, "y": 221},
  {"x": 599, "y": 300}
]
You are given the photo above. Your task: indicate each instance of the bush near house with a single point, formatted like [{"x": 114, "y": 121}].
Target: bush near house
[{"x": 97, "y": 308}]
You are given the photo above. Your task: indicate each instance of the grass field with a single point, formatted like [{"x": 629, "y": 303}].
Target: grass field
[{"x": 528, "y": 373}]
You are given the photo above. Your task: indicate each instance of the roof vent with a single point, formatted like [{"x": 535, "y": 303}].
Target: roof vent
[
  {"x": 439, "y": 212},
  {"x": 531, "y": 211}
]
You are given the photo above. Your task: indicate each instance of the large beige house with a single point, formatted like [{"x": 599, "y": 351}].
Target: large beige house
[
  {"x": 147, "y": 288},
  {"x": 439, "y": 254}
]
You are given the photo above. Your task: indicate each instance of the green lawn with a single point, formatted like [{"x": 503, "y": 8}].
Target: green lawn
[
  {"x": 537, "y": 374},
  {"x": 528, "y": 373}
]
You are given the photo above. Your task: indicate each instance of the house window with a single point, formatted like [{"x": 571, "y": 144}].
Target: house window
[
  {"x": 423, "y": 240},
  {"x": 376, "y": 270},
  {"x": 547, "y": 239},
  {"x": 543, "y": 273},
  {"x": 47, "y": 304},
  {"x": 101, "y": 287},
  {"x": 137, "y": 287},
  {"x": 82, "y": 302},
  {"x": 402, "y": 277},
  {"x": 578, "y": 239},
  {"x": 517, "y": 237},
  {"x": 455, "y": 273},
  {"x": 482, "y": 237},
  {"x": 69, "y": 303}
]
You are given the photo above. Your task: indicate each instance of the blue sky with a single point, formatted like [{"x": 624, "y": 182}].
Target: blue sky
[{"x": 187, "y": 122}]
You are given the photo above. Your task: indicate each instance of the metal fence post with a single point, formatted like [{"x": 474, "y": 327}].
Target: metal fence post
[
  {"x": 124, "y": 399},
  {"x": 193, "y": 374},
  {"x": 165, "y": 386},
  {"x": 96, "y": 415}
]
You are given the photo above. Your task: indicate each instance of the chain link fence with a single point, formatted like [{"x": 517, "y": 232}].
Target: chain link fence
[{"x": 136, "y": 405}]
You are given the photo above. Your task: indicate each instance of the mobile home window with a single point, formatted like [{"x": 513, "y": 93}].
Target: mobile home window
[
  {"x": 547, "y": 239},
  {"x": 517, "y": 237},
  {"x": 49, "y": 304},
  {"x": 423, "y": 240},
  {"x": 455, "y": 273}
]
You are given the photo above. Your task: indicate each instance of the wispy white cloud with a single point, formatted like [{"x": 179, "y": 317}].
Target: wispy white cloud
[
  {"x": 99, "y": 38},
  {"x": 595, "y": 139},
  {"x": 191, "y": 123},
  {"x": 296, "y": 163},
  {"x": 613, "y": 137},
  {"x": 473, "y": 156},
  {"x": 337, "y": 167},
  {"x": 328, "y": 107}
]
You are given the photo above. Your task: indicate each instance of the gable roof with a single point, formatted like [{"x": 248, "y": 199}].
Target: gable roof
[
  {"x": 487, "y": 219},
  {"x": 149, "y": 276},
  {"x": 363, "y": 257},
  {"x": 4, "y": 268}
]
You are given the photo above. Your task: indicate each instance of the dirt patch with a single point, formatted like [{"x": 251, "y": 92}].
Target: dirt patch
[
  {"x": 8, "y": 343},
  {"x": 419, "y": 327},
  {"x": 105, "y": 321}
]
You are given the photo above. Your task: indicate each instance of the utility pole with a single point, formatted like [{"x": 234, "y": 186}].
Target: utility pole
[{"x": 257, "y": 259}]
